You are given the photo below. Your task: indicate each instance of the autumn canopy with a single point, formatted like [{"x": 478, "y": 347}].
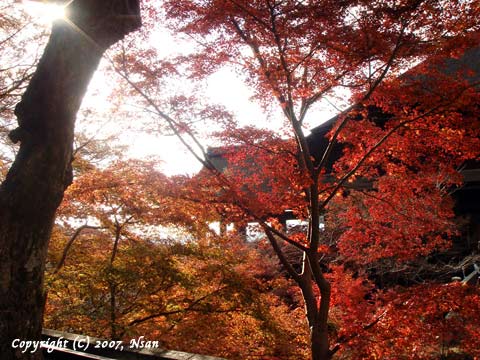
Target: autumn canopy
[{"x": 303, "y": 236}]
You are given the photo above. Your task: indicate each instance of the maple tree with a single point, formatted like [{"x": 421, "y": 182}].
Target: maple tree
[
  {"x": 386, "y": 201},
  {"x": 173, "y": 293},
  {"x": 294, "y": 54},
  {"x": 146, "y": 262}
]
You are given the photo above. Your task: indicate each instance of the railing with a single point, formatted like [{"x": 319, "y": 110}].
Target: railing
[{"x": 59, "y": 345}]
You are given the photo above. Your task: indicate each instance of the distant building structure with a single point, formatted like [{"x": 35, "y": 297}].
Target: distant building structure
[{"x": 467, "y": 197}]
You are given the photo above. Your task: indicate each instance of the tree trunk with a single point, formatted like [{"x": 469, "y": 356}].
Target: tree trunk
[
  {"x": 113, "y": 310},
  {"x": 317, "y": 314},
  {"x": 35, "y": 184},
  {"x": 319, "y": 330},
  {"x": 319, "y": 342}
]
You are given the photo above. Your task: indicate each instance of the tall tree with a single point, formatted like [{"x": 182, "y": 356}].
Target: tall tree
[
  {"x": 298, "y": 53},
  {"x": 35, "y": 184}
]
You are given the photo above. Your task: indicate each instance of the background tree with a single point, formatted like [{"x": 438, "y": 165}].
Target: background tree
[
  {"x": 294, "y": 54},
  {"x": 151, "y": 265},
  {"x": 21, "y": 41}
]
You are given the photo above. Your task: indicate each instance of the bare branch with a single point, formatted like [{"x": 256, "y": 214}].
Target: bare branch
[
  {"x": 281, "y": 256},
  {"x": 70, "y": 243}
]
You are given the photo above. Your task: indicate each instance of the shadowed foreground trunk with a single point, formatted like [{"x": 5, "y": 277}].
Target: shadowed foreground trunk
[{"x": 35, "y": 184}]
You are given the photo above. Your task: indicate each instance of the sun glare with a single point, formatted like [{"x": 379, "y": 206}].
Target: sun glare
[{"x": 43, "y": 11}]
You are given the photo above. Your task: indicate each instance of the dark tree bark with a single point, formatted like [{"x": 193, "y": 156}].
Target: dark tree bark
[{"x": 35, "y": 184}]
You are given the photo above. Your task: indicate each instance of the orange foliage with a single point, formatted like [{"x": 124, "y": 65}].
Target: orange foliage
[{"x": 293, "y": 54}]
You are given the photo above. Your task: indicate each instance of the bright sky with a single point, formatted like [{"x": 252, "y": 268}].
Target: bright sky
[
  {"x": 44, "y": 13},
  {"x": 175, "y": 158}
]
